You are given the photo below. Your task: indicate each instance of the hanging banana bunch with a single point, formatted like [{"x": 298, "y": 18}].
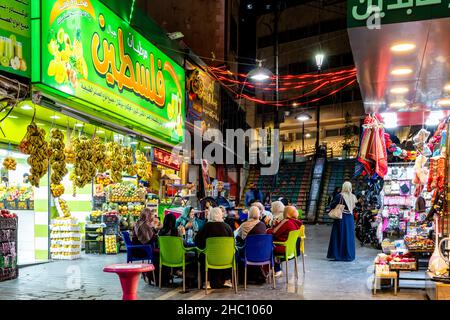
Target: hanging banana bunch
[
  {"x": 69, "y": 150},
  {"x": 34, "y": 144},
  {"x": 127, "y": 161},
  {"x": 114, "y": 152},
  {"x": 84, "y": 169},
  {"x": 57, "y": 161},
  {"x": 143, "y": 167},
  {"x": 99, "y": 156}
]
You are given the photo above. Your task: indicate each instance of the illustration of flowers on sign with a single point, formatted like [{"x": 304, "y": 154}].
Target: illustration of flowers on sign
[
  {"x": 11, "y": 53},
  {"x": 68, "y": 64}
]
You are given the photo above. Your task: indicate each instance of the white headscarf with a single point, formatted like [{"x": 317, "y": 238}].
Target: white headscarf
[
  {"x": 215, "y": 215},
  {"x": 277, "y": 210},
  {"x": 349, "y": 197}
]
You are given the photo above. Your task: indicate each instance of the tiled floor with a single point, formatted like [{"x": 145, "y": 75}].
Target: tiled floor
[{"x": 84, "y": 279}]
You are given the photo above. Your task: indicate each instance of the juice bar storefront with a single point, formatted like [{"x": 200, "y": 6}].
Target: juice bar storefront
[{"x": 93, "y": 76}]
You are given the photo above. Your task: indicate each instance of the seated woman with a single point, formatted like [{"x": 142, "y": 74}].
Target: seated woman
[
  {"x": 265, "y": 216},
  {"x": 281, "y": 232},
  {"x": 188, "y": 226},
  {"x": 250, "y": 227},
  {"x": 215, "y": 227},
  {"x": 277, "y": 210},
  {"x": 145, "y": 232},
  {"x": 145, "y": 229},
  {"x": 169, "y": 226}
]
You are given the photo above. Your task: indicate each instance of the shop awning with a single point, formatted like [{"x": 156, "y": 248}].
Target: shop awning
[{"x": 403, "y": 65}]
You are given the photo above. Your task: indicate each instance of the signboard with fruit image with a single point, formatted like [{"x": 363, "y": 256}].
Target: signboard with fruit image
[
  {"x": 15, "y": 41},
  {"x": 92, "y": 56}
]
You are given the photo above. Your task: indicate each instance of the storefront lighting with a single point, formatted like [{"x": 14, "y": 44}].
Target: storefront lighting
[
  {"x": 401, "y": 71},
  {"x": 55, "y": 117},
  {"x": 390, "y": 120},
  {"x": 403, "y": 47},
  {"x": 26, "y": 107},
  {"x": 398, "y": 104},
  {"x": 444, "y": 102},
  {"x": 399, "y": 90}
]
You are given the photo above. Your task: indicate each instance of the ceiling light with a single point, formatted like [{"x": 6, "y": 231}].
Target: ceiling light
[
  {"x": 100, "y": 131},
  {"x": 134, "y": 143},
  {"x": 295, "y": 104},
  {"x": 401, "y": 71},
  {"x": 13, "y": 117},
  {"x": 79, "y": 125},
  {"x": 26, "y": 107},
  {"x": 260, "y": 73},
  {"x": 444, "y": 102},
  {"x": 319, "y": 60},
  {"x": 403, "y": 47},
  {"x": 40, "y": 124},
  {"x": 399, "y": 90},
  {"x": 308, "y": 135},
  {"x": 303, "y": 117},
  {"x": 55, "y": 117},
  {"x": 147, "y": 147},
  {"x": 398, "y": 104},
  {"x": 447, "y": 87}
]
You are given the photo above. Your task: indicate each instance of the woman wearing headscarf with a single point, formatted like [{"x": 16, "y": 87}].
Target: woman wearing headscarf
[
  {"x": 144, "y": 231},
  {"x": 215, "y": 227},
  {"x": 169, "y": 226},
  {"x": 277, "y": 209},
  {"x": 281, "y": 232},
  {"x": 252, "y": 226},
  {"x": 342, "y": 239},
  {"x": 265, "y": 216},
  {"x": 188, "y": 225}
]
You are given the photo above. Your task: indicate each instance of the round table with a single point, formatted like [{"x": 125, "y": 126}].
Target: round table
[{"x": 129, "y": 277}]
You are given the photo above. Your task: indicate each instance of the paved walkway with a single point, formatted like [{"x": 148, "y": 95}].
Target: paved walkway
[{"x": 84, "y": 279}]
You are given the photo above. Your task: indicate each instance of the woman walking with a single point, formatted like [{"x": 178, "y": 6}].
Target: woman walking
[{"x": 342, "y": 240}]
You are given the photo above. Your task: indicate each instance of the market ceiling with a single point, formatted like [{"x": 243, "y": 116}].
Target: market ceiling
[{"x": 403, "y": 66}]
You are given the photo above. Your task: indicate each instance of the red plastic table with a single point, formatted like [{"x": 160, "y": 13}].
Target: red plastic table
[{"x": 129, "y": 277}]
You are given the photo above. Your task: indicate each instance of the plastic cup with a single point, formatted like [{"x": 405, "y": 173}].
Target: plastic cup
[
  {"x": 2, "y": 46},
  {"x": 18, "y": 49}
]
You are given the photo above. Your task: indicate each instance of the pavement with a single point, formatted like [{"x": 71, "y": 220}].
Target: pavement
[{"x": 83, "y": 279}]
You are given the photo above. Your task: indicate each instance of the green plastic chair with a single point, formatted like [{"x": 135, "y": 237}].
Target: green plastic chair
[
  {"x": 172, "y": 253},
  {"x": 220, "y": 253},
  {"x": 291, "y": 251}
]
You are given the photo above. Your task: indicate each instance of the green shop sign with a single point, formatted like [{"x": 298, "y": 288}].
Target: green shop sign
[
  {"x": 15, "y": 41},
  {"x": 91, "y": 56},
  {"x": 374, "y": 13}
]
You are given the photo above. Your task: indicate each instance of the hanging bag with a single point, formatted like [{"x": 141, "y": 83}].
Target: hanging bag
[{"x": 336, "y": 213}]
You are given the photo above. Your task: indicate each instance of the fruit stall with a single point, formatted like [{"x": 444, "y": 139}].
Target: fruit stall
[{"x": 76, "y": 149}]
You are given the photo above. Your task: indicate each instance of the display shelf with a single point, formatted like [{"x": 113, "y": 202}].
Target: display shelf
[{"x": 8, "y": 249}]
